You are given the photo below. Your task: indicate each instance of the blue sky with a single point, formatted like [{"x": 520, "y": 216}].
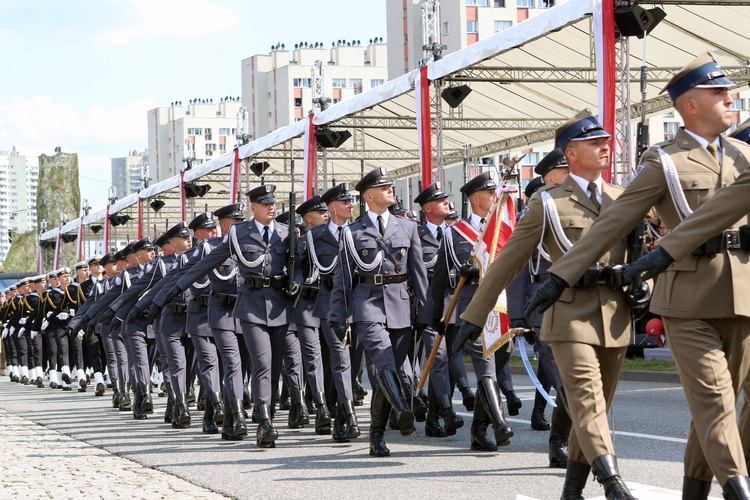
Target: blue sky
[{"x": 82, "y": 74}]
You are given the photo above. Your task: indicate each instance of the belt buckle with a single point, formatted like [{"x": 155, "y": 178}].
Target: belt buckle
[
  {"x": 377, "y": 279},
  {"x": 266, "y": 281},
  {"x": 732, "y": 239}
]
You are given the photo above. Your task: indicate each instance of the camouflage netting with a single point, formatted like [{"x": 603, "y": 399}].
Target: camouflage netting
[
  {"x": 58, "y": 197},
  {"x": 22, "y": 255}
]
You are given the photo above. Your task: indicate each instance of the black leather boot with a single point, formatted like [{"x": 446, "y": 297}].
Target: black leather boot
[
  {"x": 190, "y": 396},
  {"x": 452, "y": 421},
  {"x": 379, "y": 410},
  {"x": 266, "y": 436},
  {"x": 419, "y": 408},
  {"x": 227, "y": 431},
  {"x": 538, "y": 421},
  {"x": 40, "y": 385},
  {"x": 391, "y": 388},
  {"x": 432, "y": 427},
  {"x": 322, "y": 416},
  {"x": 115, "y": 394},
  {"x": 490, "y": 398},
  {"x": 576, "y": 476},
  {"x": 303, "y": 416},
  {"x": 209, "y": 427},
  {"x": 511, "y": 398},
  {"x": 359, "y": 391},
  {"x": 468, "y": 397},
  {"x": 182, "y": 416},
  {"x": 737, "y": 488},
  {"x": 284, "y": 403},
  {"x": 558, "y": 436},
  {"x": 338, "y": 432},
  {"x": 125, "y": 403},
  {"x": 421, "y": 394},
  {"x": 247, "y": 401},
  {"x": 217, "y": 415},
  {"x": 201, "y": 401},
  {"x": 237, "y": 415},
  {"x": 138, "y": 413},
  {"x": 481, "y": 440},
  {"x": 607, "y": 473},
  {"x": 352, "y": 427},
  {"x": 170, "y": 407},
  {"x": 695, "y": 489},
  {"x": 293, "y": 412},
  {"x": 147, "y": 404}
]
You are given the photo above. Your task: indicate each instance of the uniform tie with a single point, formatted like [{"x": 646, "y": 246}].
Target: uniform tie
[
  {"x": 592, "y": 195},
  {"x": 339, "y": 229},
  {"x": 381, "y": 225},
  {"x": 439, "y": 233},
  {"x": 714, "y": 151},
  {"x": 482, "y": 221},
  {"x": 265, "y": 235}
]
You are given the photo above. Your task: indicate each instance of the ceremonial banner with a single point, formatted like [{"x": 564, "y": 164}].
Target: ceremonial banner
[
  {"x": 79, "y": 253},
  {"x": 424, "y": 130},
  {"x": 495, "y": 232},
  {"x": 105, "y": 237},
  {"x": 234, "y": 179},
  {"x": 604, "y": 44},
  {"x": 182, "y": 195},
  {"x": 308, "y": 174},
  {"x": 140, "y": 217}
]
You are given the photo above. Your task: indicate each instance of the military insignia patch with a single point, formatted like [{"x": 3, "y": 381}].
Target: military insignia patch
[{"x": 364, "y": 253}]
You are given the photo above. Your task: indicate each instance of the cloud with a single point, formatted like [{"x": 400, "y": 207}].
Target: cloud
[{"x": 174, "y": 18}]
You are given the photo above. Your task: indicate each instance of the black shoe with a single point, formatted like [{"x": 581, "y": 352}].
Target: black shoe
[
  {"x": 247, "y": 401},
  {"x": 125, "y": 403},
  {"x": 511, "y": 398},
  {"x": 432, "y": 427},
  {"x": 266, "y": 436},
  {"x": 148, "y": 404},
  {"x": 391, "y": 388},
  {"x": 237, "y": 415},
  {"x": 576, "y": 476},
  {"x": 284, "y": 403},
  {"x": 379, "y": 410},
  {"x": 453, "y": 421},
  {"x": 138, "y": 413},
  {"x": 338, "y": 431},
  {"x": 352, "y": 427},
  {"x": 606, "y": 472},
  {"x": 40, "y": 382},
  {"x": 558, "y": 436},
  {"x": 469, "y": 400},
  {"x": 217, "y": 411},
  {"x": 209, "y": 427},
  {"x": 181, "y": 415},
  {"x": 190, "y": 397},
  {"x": 489, "y": 396},
  {"x": 538, "y": 421},
  {"x": 695, "y": 489},
  {"x": 558, "y": 454},
  {"x": 170, "y": 408},
  {"x": 737, "y": 488},
  {"x": 53, "y": 385},
  {"x": 25, "y": 380},
  {"x": 303, "y": 415},
  {"x": 423, "y": 396},
  {"x": 322, "y": 416},
  {"x": 99, "y": 389},
  {"x": 65, "y": 378},
  {"x": 419, "y": 408},
  {"x": 359, "y": 391}
]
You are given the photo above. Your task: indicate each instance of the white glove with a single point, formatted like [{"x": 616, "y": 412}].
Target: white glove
[
  {"x": 72, "y": 312},
  {"x": 12, "y": 329},
  {"x": 80, "y": 334},
  {"x": 48, "y": 314},
  {"x": 22, "y": 321},
  {"x": 63, "y": 316},
  {"x": 45, "y": 324},
  {"x": 21, "y": 330},
  {"x": 33, "y": 334},
  {"x": 5, "y": 332}
]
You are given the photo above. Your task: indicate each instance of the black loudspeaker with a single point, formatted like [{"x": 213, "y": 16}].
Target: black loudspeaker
[
  {"x": 69, "y": 238},
  {"x": 455, "y": 95},
  {"x": 259, "y": 167},
  {"x": 157, "y": 205},
  {"x": 635, "y": 20},
  {"x": 327, "y": 138}
]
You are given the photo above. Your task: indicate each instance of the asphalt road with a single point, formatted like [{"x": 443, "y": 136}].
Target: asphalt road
[{"x": 650, "y": 421}]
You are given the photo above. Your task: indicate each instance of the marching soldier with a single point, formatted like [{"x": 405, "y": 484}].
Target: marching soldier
[
  {"x": 17, "y": 328},
  {"x": 705, "y": 290},
  {"x": 101, "y": 347},
  {"x": 36, "y": 346},
  {"x": 168, "y": 257},
  {"x": 323, "y": 251},
  {"x": 75, "y": 297},
  {"x": 380, "y": 279},
  {"x": 435, "y": 206},
  {"x": 590, "y": 330}
]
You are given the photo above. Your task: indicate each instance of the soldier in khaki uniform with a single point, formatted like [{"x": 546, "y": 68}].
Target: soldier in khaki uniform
[
  {"x": 702, "y": 297},
  {"x": 590, "y": 328}
]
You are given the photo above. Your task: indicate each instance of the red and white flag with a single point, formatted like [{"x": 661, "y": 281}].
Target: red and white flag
[
  {"x": 308, "y": 175},
  {"x": 234, "y": 177},
  {"x": 494, "y": 234}
]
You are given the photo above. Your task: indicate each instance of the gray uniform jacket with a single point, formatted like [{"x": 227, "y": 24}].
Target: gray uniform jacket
[
  {"x": 392, "y": 305},
  {"x": 303, "y": 309},
  {"x": 326, "y": 249},
  {"x": 430, "y": 247}
]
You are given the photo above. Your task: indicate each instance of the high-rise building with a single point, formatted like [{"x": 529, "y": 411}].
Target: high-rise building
[
  {"x": 278, "y": 90},
  {"x": 462, "y": 23},
  {"x": 18, "y": 185},
  {"x": 128, "y": 172},
  {"x": 208, "y": 128}
]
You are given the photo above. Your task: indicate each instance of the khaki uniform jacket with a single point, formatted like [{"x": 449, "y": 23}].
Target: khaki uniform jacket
[
  {"x": 598, "y": 316},
  {"x": 691, "y": 286}
]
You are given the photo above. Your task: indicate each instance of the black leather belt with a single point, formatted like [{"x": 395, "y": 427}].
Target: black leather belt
[
  {"x": 607, "y": 275},
  {"x": 266, "y": 281},
  {"x": 309, "y": 291},
  {"x": 539, "y": 278},
  {"x": 382, "y": 279},
  {"x": 327, "y": 280},
  {"x": 225, "y": 299},
  {"x": 177, "y": 308},
  {"x": 202, "y": 300},
  {"x": 731, "y": 239}
]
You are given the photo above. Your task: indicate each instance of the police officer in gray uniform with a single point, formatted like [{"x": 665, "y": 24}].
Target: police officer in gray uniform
[
  {"x": 314, "y": 212},
  {"x": 323, "y": 252},
  {"x": 454, "y": 258},
  {"x": 435, "y": 206},
  {"x": 264, "y": 304},
  {"x": 380, "y": 279},
  {"x": 168, "y": 257}
]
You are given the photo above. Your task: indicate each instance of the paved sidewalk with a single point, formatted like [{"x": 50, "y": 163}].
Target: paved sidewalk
[{"x": 37, "y": 462}]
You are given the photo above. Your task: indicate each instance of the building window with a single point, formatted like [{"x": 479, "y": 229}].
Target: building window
[
  {"x": 446, "y": 28},
  {"x": 223, "y": 131},
  {"x": 471, "y": 26},
  {"x": 499, "y": 3},
  {"x": 210, "y": 148},
  {"x": 297, "y": 102},
  {"x": 339, "y": 83},
  {"x": 738, "y": 105},
  {"x": 207, "y": 134},
  {"x": 222, "y": 147},
  {"x": 502, "y": 25},
  {"x": 377, "y": 83},
  {"x": 336, "y": 100},
  {"x": 670, "y": 129},
  {"x": 195, "y": 131},
  {"x": 356, "y": 84},
  {"x": 301, "y": 83},
  {"x": 477, "y": 3},
  {"x": 525, "y": 3},
  {"x": 547, "y": 3}
]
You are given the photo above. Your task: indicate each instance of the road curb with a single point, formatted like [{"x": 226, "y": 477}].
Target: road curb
[{"x": 631, "y": 376}]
